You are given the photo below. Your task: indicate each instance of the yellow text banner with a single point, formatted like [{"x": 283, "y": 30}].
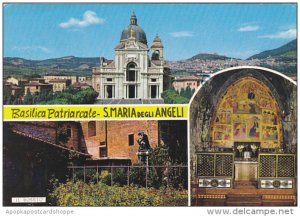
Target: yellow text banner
[{"x": 93, "y": 112}]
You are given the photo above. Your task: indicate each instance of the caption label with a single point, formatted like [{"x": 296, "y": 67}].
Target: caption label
[{"x": 15, "y": 113}]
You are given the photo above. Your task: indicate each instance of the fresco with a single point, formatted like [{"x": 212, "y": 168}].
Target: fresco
[{"x": 247, "y": 113}]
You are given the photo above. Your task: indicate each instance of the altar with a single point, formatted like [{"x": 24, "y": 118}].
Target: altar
[{"x": 245, "y": 170}]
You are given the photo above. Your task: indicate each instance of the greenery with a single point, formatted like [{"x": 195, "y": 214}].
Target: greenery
[
  {"x": 287, "y": 50},
  {"x": 69, "y": 96},
  {"x": 82, "y": 194},
  {"x": 171, "y": 96},
  {"x": 69, "y": 65},
  {"x": 159, "y": 175},
  {"x": 10, "y": 99},
  {"x": 209, "y": 57},
  {"x": 283, "y": 68}
]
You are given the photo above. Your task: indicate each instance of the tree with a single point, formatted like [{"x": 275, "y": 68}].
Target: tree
[
  {"x": 86, "y": 96},
  {"x": 170, "y": 96},
  {"x": 28, "y": 98}
]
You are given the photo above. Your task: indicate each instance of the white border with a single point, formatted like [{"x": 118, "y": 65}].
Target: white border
[{"x": 124, "y": 211}]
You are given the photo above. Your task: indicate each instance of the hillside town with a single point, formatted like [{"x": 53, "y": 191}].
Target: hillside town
[
  {"x": 18, "y": 86},
  {"x": 211, "y": 66}
]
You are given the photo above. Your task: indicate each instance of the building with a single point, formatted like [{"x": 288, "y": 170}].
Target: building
[
  {"x": 16, "y": 81},
  {"x": 102, "y": 141},
  {"x": 183, "y": 82},
  {"x": 60, "y": 84},
  {"x": 243, "y": 139},
  {"x": 81, "y": 86},
  {"x": 37, "y": 85},
  {"x": 110, "y": 140},
  {"x": 12, "y": 89},
  {"x": 85, "y": 79},
  {"x": 132, "y": 74},
  {"x": 50, "y": 77}
]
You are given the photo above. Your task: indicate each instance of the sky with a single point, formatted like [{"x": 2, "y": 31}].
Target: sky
[{"x": 43, "y": 31}]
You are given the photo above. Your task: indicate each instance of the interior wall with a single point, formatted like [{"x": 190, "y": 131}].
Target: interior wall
[{"x": 205, "y": 102}]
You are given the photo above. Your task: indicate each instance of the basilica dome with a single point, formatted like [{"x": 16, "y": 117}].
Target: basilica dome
[{"x": 133, "y": 30}]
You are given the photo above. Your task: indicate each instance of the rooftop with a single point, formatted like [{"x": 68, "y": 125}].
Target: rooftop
[
  {"x": 38, "y": 84},
  {"x": 188, "y": 78},
  {"x": 130, "y": 101}
]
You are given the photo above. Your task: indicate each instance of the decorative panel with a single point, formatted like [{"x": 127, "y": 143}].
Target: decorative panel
[
  {"x": 215, "y": 183},
  {"x": 277, "y": 165},
  {"x": 205, "y": 165},
  {"x": 247, "y": 113},
  {"x": 286, "y": 166},
  {"x": 267, "y": 166},
  {"x": 224, "y": 164},
  {"x": 273, "y": 183},
  {"x": 215, "y": 165}
]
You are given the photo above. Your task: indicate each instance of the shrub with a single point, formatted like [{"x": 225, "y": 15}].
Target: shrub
[{"x": 82, "y": 194}]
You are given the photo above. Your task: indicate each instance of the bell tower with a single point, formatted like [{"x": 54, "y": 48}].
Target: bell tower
[{"x": 157, "y": 49}]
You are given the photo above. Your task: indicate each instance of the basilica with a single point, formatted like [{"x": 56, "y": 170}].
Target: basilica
[{"x": 132, "y": 74}]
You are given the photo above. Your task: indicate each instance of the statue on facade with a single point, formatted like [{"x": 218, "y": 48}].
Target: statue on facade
[{"x": 144, "y": 147}]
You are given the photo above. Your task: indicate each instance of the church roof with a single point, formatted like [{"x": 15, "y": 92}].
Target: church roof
[{"x": 133, "y": 30}]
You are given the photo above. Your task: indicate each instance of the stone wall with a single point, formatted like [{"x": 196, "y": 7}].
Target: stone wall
[{"x": 115, "y": 133}]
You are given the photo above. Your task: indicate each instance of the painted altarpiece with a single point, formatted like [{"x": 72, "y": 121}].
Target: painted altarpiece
[{"x": 247, "y": 112}]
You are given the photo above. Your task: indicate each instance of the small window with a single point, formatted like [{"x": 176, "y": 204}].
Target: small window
[
  {"x": 130, "y": 139},
  {"x": 109, "y": 79},
  {"x": 103, "y": 143},
  {"x": 153, "y": 80},
  {"x": 92, "y": 128},
  {"x": 103, "y": 151}
]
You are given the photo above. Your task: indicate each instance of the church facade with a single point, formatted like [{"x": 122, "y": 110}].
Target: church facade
[{"x": 132, "y": 74}]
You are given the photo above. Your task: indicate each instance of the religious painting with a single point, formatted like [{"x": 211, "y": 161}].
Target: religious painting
[
  {"x": 223, "y": 116},
  {"x": 222, "y": 132},
  {"x": 247, "y": 112},
  {"x": 270, "y": 144},
  {"x": 222, "y": 144},
  {"x": 253, "y": 127},
  {"x": 265, "y": 103},
  {"x": 270, "y": 132},
  {"x": 239, "y": 131},
  {"x": 269, "y": 117}
]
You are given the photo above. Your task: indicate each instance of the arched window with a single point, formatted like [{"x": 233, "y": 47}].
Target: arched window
[
  {"x": 155, "y": 55},
  {"x": 92, "y": 128},
  {"x": 131, "y": 72}
]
